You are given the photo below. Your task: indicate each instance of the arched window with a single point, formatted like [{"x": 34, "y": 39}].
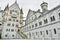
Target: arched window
[
  {"x": 47, "y": 32},
  {"x": 54, "y": 31},
  {"x": 12, "y": 35},
  {"x": 52, "y": 18},
  {"x": 32, "y": 26},
  {"x": 45, "y": 21},
  {"x": 41, "y": 32},
  {"x": 0, "y": 24},
  {"x": 5, "y": 35},
  {"x": 59, "y": 15}
]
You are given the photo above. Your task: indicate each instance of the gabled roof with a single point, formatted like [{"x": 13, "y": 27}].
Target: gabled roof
[
  {"x": 29, "y": 12},
  {"x": 55, "y": 8},
  {"x": 15, "y": 5}
]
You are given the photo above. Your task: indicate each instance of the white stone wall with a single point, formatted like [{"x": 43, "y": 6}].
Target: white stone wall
[
  {"x": 7, "y": 30},
  {"x": 50, "y": 26}
]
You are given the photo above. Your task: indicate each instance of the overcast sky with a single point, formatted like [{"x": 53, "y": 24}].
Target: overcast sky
[{"x": 30, "y": 4}]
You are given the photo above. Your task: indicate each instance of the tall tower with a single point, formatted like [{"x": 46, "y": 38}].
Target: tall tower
[
  {"x": 21, "y": 16},
  {"x": 44, "y": 6},
  {"x": 12, "y": 17}
]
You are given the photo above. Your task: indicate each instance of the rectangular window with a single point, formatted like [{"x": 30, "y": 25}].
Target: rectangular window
[
  {"x": 5, "y": 35},
  {"x": 9, "y": 19},
  {"x": 12, "y": 30},
  {"x": 36, "y": 25},
  {"x": 13, "y": 25},
  {"x": 41, "y": 32},
  {"x": 13, "y": 19},
  {"x": 16, "y": 25},
  {"x": 32, "y": 26},
  {"x": 36, "y": 33},
  {"x": 9, "y": 29},
  {"x": 52, "y": 18},
  {"x": 45, "y": 21},
  {"x": 40, "y": 23},
  {"x": 8, "y": 24},
  {"x": 6, "y": 29},
  {"x": 16, "y": 20},
  {"x": 12, "y": 35}
]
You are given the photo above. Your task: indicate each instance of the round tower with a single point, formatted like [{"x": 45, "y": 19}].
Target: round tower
[{"x": 44, "y": 6}]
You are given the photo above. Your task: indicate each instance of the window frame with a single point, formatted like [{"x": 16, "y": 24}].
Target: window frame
[
  {"x": 40, "y": 23},
  {"x": 55, "y": 31},
  {"x": 36, "y": 24}
]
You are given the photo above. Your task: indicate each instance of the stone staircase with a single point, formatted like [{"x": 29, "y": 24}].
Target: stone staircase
[{"x": 22, "y": 34}]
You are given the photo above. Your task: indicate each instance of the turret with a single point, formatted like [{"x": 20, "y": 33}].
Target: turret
[
  {"x": 44, "y": 6},
  {"x": 21, "y": 16}
]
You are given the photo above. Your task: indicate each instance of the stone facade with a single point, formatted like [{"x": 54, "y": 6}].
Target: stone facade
[
  {"x": 44, "y": 25},
  {"x": 10, "y": 21}
]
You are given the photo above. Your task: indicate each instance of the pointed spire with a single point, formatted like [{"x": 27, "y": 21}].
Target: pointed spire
[
  {"x": 21, "y": 11},
  {"x": 15, "y": 1},
  {"x": 7, "y": 7}
]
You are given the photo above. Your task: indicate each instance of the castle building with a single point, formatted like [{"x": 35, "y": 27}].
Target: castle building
[
  {"x": 11, "y": 19},
  {"x": 1, "y": 22},
  {"x": 44, "y": 25}
]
